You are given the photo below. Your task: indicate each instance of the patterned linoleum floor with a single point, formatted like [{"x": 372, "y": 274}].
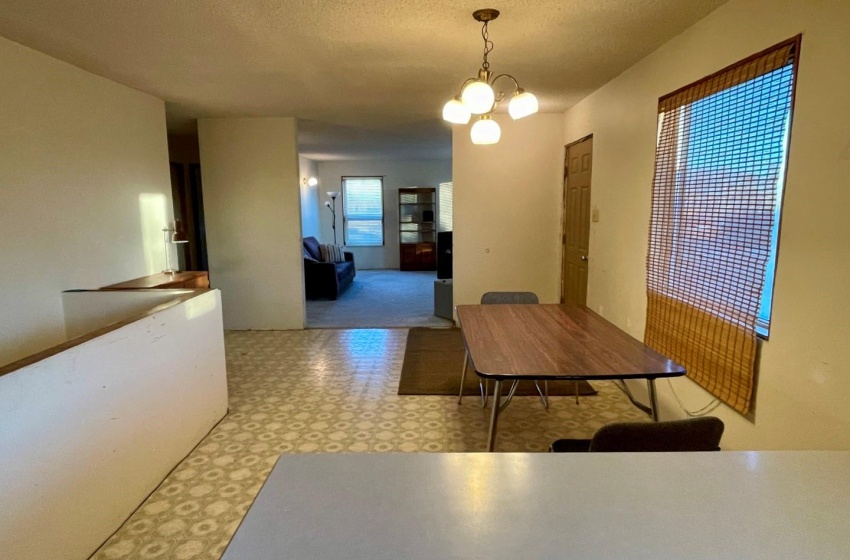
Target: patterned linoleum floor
[{"x": 325, "y": 391}]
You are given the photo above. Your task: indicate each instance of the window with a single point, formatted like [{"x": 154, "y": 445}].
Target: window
[
  {"x": 363, "y": 211},
  {"x": 445, "y": 206},
  {"x": 714, "y": 229}
]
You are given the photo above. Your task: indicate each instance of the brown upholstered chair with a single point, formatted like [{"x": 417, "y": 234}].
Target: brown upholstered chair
[{"x": 692, "y": 434}]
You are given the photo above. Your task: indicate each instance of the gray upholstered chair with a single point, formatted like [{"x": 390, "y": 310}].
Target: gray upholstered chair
[
  {"x": 491, "y": 298},
  {"x": 509, "y": 297},
  {"x": 692, "y": 434}
]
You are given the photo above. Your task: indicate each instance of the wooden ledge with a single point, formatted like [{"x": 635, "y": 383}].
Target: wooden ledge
[{"x": 182, "y": 296}]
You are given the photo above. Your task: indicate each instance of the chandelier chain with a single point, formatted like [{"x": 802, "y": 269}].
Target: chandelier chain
[{"x": 488, "y": 45}]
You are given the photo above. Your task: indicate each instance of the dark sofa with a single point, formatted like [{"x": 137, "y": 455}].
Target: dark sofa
[{"x": 323, "y": 280}]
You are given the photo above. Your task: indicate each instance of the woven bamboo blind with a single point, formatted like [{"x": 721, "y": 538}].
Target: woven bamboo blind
[{"x": 721, "y": 148}]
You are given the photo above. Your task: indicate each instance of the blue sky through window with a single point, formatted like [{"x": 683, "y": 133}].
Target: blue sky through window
[{"x": 731, "y": 144}]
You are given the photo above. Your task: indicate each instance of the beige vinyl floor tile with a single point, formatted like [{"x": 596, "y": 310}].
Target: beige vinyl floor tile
[{"x": 325, "y": 391}]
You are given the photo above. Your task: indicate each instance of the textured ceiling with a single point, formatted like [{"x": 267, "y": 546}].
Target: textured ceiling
[{"x": 368, "y": 76}]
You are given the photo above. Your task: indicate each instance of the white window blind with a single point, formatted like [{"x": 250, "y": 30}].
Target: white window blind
[
  {"x": 445, "y": 200},
  {"x": 363, "y": 211}
]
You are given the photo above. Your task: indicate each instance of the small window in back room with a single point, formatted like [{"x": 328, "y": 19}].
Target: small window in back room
[
  {"x": 714, "y": 228},
  {"x": 363, "y": 211},
  {"x": 445, "y": 206}
]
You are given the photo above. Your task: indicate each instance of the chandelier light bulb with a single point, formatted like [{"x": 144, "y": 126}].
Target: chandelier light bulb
[
  {"x": 522, "y": 104},
  {"x": 478, "y": 97},
  {"x": 485, "y": 131},
  {"x": 456, "y": 112}
]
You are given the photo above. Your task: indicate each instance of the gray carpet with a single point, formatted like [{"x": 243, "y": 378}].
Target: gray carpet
[{"x": 380, "y": 299}]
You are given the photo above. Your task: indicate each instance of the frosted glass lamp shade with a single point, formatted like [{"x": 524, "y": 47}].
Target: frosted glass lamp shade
[
  {"x": 312, "y": 182},
  {"x": 478, "y": 97},
  {"x": 485, "y": 131},
  {"x": 456, "y": 112},
  {"x": 522, "y": 105}
]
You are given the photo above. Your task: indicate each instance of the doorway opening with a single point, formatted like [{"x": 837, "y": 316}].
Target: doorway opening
[
  {"x": 188, "y": 202},
  {"x": 392, "y": 221}
]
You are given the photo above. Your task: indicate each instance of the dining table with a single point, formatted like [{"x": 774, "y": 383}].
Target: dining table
[{"x": 550, "y": 342}]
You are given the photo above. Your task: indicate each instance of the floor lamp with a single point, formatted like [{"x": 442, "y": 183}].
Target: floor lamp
[{"x": 332, "y": 208}]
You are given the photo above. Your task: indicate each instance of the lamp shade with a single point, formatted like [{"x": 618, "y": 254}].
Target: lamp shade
[
  {"x": 478, "y": 97},
  {"x": 333, "y": 194},
  {"x": 456, "y": 112},
  {"x": 312, "y": 182},
  {"x": 485, "y": 131},
  {"x": 522, "y": 105},
  {"x": 177, "y": 234}
]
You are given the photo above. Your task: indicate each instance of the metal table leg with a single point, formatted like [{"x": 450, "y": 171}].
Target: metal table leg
[
  {"x": 653, "y": 399},
  {"x": 494, "y": 415},
  {"x": 463, "y": 377},
  {"x": 544, "y": 394}
]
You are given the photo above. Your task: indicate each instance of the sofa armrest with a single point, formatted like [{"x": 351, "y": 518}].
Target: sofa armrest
[{"x": 349, "y": 257}]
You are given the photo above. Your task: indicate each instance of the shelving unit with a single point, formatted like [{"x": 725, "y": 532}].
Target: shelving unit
[{"x": 417, "y": 228}]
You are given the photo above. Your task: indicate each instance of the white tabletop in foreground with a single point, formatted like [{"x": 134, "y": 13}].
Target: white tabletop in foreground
[{"x": 740, "y": 505}]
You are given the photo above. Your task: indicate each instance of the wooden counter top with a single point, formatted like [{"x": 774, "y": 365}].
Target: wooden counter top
[{"x": 183, "y": 279}]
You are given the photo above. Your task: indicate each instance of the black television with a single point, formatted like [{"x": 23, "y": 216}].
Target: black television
[{"x": 444, "y": 255}]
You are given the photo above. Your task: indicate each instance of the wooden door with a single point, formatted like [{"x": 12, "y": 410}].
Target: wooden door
[{"x": 577, "y": 171}]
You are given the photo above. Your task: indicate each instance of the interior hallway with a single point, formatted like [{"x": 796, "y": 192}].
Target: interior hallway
[
  {"x": 325, "y": 391},
  {"x": 380, "y": 299}
]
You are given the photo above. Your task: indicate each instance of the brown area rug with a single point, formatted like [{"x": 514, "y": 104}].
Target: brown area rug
[{"x": 433, "y": 359}]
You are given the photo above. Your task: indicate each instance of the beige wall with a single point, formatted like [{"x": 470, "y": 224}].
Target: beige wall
[
  {"x": 253, "y": 219},
  {"x": 507, "y": 209},
  {"x": 84, "y": 191},
  {"x": 309, "y": 197},
  {"x": 396, "y": 174},
  {"x": 804, "y": 385}
]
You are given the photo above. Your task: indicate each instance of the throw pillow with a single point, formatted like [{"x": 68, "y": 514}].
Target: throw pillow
[{"x": 331, "y": 253}]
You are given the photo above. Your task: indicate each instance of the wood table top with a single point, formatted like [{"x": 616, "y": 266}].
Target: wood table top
[{"x": 542, "y": 341}]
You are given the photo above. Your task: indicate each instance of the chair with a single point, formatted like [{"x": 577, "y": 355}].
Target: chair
[
  {"x": 692, "y": 434},
  {"x": 491, "y": 298},
  {"x": 508, "y": 298}
]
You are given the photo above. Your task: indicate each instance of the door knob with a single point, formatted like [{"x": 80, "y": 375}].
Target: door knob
[{"x": 584, "y": 257}]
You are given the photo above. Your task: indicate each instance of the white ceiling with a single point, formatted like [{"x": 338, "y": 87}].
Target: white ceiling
[{"x": 369, "y": 78}]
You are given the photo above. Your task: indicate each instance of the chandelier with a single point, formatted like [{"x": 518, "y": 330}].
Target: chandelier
[{"x": 478, "y": 96}]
